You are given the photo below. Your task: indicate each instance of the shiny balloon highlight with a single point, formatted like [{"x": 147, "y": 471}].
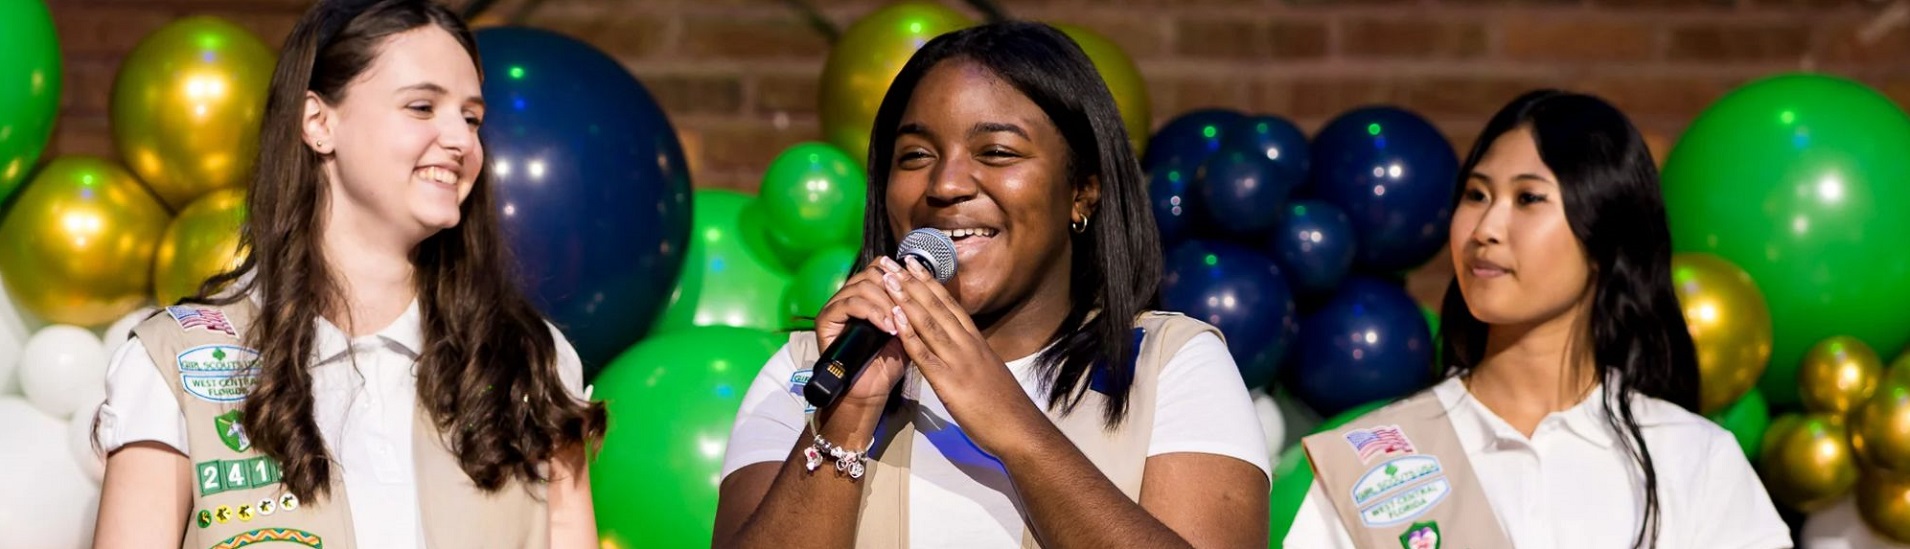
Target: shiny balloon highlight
[
  {"x": 187, "y": 105},
  {"x": 1729, "y": 323},
  {"x": 77, "y": 245},
  {"x": 201, "y": 242}
]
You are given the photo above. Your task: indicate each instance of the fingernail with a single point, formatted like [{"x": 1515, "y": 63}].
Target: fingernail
[
  {"x": 901, "y": 318},
  {"x": 889, "y": 280},
  {"x": 916, "y": 266},
  {"x": 889, "y": 265}
]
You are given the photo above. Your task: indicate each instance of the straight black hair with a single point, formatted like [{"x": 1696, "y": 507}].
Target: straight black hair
[
  {"x": 1116, "y": 269},
  {"x": 1616, "y": 209}
]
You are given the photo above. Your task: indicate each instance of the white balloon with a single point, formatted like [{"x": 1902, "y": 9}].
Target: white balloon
[
  {"x": 1272, "y": 422},
  {"x": 63, "y": 367},
  {"x": 79, "y": 439},
  {"x": 117, "y": 334},
  {"x": 1840, "y": 527},
  {"x": 49, "y": 501},
  {"x": 13, "y": 336}
]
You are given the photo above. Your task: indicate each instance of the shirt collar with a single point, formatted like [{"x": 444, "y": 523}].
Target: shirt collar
[
  {"x": 404, "y": 335},
  {"x": 1478, "y": 428}
]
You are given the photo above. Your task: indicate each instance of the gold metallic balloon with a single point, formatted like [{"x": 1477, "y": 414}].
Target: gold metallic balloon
[
  {"x": 1880, "y": 427},
  {"x": 866, "y": 59},
  {"x": 203, "y": 241},
  {"x": 1837, "y": 374},
  {"x": 1809, "y": 465},
  {"x": 1123, "y": 80},
  {"x": 1729, "y": 323},
  {"x": 77, "y": 244},
  {"x": 187, "y": 105},
  {"x": 1883, "y": 499}
]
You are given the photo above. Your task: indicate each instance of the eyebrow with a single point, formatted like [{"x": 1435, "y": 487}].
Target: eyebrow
[
  {"x": 434, "y": 88},
  {"x": 916, "y": 128},
  {"x": 1520, "y": 177}
]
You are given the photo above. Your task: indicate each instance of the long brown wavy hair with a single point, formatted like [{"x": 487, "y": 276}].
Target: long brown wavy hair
[{"x": 488, "y": 371}]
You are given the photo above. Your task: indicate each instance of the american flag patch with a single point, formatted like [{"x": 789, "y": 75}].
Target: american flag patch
[
  {"x": 1379, "y": 441},
  {"x": 211, "y": 320}
]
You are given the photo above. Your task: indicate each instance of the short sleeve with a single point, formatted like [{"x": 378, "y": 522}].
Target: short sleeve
[
  {"x": 772, "y": 415},
  {"x": 139, "y": 404},
  {"x": 570, "y": 367},
  {"x": 1316, "y": 525},
  {"x": 1202, "y": 406},
  {"x": 1732, "y": 510}
]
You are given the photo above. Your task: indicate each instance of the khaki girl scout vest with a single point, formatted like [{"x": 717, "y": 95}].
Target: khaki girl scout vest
[
  {"x": 1399, "y": 478},
  {"x": 1120, "y": 454},
  {"x": 237, "y": 500}
]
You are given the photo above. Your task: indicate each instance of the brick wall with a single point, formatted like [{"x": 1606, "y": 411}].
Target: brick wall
[{"x": 738, "y": 77}]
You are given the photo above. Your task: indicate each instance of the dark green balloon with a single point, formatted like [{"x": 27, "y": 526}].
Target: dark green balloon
[
  {"x": 812, "y": 199},
  {"x": 672, "y": 399},
  {"x": 816, "y": 282},
  {"x": 1804, "y": 182},
  {"x": 1746, "y": 419}
]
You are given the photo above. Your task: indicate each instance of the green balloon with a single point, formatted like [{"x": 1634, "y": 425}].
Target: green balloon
[
  {"x": 1800, "y": 180},
  {"x": 739, "y": 283},
  {"x": 1293, "y": 476},
  {"x": 29, "y": 88},
  {"x": 1746, "y": 419},
  {"x": 813, "y": 198},
  {"x": 672, "y": 399},
  {"x": 815, "y": 283}
]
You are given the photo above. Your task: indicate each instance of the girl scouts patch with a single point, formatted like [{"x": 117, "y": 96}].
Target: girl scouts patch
[
  {"x": 1421, "y": 535},
  {"x": 268, "y": 535},
  {"x": 232, "y": 430},
  {"x": 1393, "y": 475},
  {"x": 1408, "y": 505},
  {"x": 218, "y": 372}
]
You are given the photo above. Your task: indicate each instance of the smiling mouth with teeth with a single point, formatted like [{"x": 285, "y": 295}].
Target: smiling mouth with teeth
[
  {"x": 965, "y": 233},
  {"x": 439, "y": 175}
]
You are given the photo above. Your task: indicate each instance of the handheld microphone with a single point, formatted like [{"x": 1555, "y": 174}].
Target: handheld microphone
[{"x": 838, "y": 367}]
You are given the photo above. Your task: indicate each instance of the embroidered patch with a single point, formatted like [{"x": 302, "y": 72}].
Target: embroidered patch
[
  {"x": 201, "y": 318},
  {"x": 288, "y": 502},
  {"x": 223, "y": 514},
  {"x": 797, "y": 381},
  {"x": 218, "y": 372},
  {"x": 1421, "y": 535},
  {"x": 1407, "y": 505},
  {"x": 1379, "y": 441},
  {"x": 245, "y": 513},
  {"x": 267, "y": 506},
  {"x": 1393, "y": 475},
  {"x": 205, "y": 518},
  {"x": 227, "y": 475},
  {"x": 231, "y": 430},
  {"x": 266, "y": 535}
]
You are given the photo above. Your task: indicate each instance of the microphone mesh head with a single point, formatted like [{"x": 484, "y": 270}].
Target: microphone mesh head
[{"x": 934, "y": 249}]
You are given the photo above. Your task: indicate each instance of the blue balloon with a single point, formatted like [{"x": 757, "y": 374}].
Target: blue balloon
[
  {"x": 1170, "y": 187},
  {"x": 1240, "y": 291},
  {"x": 1394, "y": 175},
  {"x": 591, "y": 186},
  {"x": 1243, "y": 192},
  {"x": 1274, "y": 137},
  {"x": 1314, "y": 243},
  {"x": 1190, "y": 138},
  {"x": 1370, "y": 342}
]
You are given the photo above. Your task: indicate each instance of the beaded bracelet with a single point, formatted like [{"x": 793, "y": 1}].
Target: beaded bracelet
[{"x": 847, "y": 461}]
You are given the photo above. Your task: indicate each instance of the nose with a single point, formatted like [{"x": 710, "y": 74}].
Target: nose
[
  {"x": 1490, "y": 228},
  {"x": 953, "y": 180},
  {"x": 456, "y": 135}
]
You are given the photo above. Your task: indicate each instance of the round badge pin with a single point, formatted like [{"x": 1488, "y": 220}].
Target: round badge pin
[
  {"x": 223, "y": 514},
  {"x": 245, "y": 513},
  {"x": 288, "y": 502},
  {"x": 205, "y": 518},
  {"x": 267, "y": 507}
]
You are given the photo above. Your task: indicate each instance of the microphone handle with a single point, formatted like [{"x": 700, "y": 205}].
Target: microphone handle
[{"x": 838, "y": 367}]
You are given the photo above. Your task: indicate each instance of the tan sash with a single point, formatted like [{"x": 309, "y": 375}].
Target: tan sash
[
  {"x": 1398, "y": 477},
  {"x": 1120, "y": 453},
  {"x": 237, "y": 498}
]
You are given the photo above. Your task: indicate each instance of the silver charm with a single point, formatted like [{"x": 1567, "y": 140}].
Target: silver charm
[{"x": 855, "y": 470}]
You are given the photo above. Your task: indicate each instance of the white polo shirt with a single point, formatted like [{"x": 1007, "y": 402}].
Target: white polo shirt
[
  {"x": 960, "y": 496},
  {"x": 363, "y": 412},
  {"x": 1571, "y": 484}
]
